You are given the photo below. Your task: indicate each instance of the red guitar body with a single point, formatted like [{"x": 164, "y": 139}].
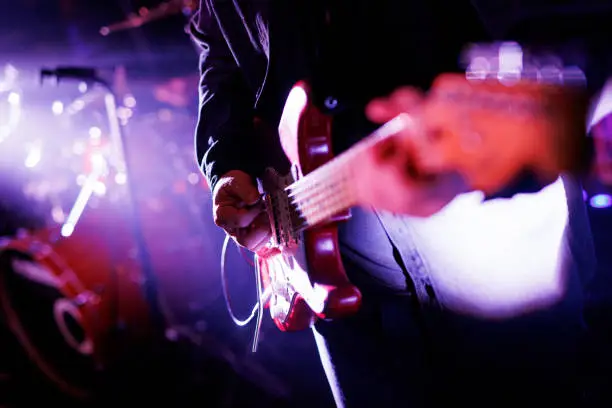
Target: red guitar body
[{"x": 305, "y": 135}]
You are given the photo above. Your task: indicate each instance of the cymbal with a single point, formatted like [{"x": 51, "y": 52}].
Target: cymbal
[{"x": 146, "y": 15}]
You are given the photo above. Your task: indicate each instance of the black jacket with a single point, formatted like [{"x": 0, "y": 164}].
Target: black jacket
[{"x": 253, "y": 51}]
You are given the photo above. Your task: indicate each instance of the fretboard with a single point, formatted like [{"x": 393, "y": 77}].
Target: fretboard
[{"x": 330, "y": 189}]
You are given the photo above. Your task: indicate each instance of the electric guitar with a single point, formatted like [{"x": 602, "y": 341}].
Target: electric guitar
[{"x": 524, "y": 125}]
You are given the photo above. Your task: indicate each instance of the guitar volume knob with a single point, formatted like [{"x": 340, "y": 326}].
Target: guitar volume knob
[{"x": 331, "y": 103}]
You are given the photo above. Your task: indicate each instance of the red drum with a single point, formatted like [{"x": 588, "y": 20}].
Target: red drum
[{"x": 75, "y": 302}]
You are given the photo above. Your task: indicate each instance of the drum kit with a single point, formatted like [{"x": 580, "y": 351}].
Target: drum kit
[{"x": 98, "y": 204}]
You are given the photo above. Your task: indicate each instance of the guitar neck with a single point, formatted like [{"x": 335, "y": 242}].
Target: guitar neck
[{"x": 330, "y": 189}]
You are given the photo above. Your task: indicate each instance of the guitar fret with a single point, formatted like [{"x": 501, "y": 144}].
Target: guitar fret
[
  {"x": 327, "y": 211},
  {"x": 318, "y": 189},
  {"x": 328, "y": 201},
  {"x": 321, "y": 188},
  {"x": 349, "y": 158},
  {"x": 328, "y": 190}
]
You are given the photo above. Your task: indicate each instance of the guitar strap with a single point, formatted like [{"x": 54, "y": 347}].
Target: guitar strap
[{"x": 324, "y": 41}]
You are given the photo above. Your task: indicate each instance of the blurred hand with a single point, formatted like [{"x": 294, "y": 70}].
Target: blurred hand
[
  {"x": 396, "y": 174},
  {"x": 239, "y": 210}
]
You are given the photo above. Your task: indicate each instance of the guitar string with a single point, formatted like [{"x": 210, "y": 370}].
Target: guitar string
[
  {"x": 307, "y": 191},
  {"x": 310, "y": 194},
  {"x": 325, "y": 207},
  {"x": 313, "y": 204},
  {"x": 390, "y": 128},
  {"x": 307, "y": 207},
  {"x": 319, "y": 195}
]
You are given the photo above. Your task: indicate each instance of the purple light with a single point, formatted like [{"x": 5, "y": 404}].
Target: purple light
[{"x": 601, "y": 201}]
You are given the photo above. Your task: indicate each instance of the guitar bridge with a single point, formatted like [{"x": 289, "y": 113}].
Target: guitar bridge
[{"x": 284, "y": 220}]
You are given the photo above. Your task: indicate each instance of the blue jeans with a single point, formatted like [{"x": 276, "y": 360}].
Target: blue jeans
[{"x": 491, "y": 314}]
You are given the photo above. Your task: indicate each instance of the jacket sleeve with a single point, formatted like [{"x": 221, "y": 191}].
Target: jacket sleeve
[{"x": 224, "y": 137}]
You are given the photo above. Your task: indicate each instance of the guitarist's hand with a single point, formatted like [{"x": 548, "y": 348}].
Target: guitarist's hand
[
  {"x": 397, "y": 173},
  {"x": 238, "y": 209}
]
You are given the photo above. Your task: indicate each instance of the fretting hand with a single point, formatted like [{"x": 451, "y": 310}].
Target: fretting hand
[{"x": 394, "y": 175}]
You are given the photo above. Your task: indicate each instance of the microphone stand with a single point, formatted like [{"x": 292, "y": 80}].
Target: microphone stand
[{"x": 121, "y": 149}]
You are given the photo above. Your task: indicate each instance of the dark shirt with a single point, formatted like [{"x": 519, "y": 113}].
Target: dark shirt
[{"x": 361, "y": 50}]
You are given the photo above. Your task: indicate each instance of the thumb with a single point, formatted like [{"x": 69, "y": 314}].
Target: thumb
[
  {"x": 243, "y": 188},
  {"x": 250, "y": 196}
]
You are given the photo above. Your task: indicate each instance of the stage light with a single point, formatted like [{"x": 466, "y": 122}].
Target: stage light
[{"x": 601, "y": 201}]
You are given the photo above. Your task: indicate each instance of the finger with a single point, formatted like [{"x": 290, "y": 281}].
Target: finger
[
  {"x": 405, "y": 99},
  {"x": 236, "y": 187},
  {"x": 404, "y": 163},
  {"x": 244, "y": 190},
  {"x": 386, "y": 151},
  {"x": 380, "y": 110},
  {"x": 231, "y": 217},
  {"x": 405, "y": 145},
  {"x": 256, "y": 235},
  {"x": 438, "y": 128}
]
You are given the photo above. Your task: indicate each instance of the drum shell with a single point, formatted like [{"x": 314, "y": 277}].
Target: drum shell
[{"x": 97, "y": 269}]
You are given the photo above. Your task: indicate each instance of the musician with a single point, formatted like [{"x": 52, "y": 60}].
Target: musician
[{"x": 481, "y": 303}]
